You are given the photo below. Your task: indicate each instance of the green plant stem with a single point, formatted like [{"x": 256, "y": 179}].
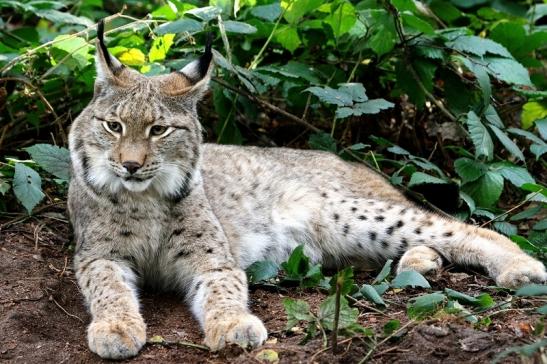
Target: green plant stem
[
  {"x": 258, "y": 58},
  {"x": 336, "y": 315}
]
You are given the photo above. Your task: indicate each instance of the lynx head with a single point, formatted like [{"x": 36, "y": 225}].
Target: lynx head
[{"x": 140, "y": 133}]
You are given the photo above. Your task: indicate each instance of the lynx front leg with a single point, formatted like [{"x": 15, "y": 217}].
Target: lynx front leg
[
  {"x": 117, "y": 329},
  {"x": 219, "y": 301}
]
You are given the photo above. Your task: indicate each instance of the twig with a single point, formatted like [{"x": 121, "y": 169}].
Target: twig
[
  {"x": 400, "y": 32},
  {"x": 513, "y": 208},
  {"x": 267, "y": 105},
  {"x": 65, "y": 311},
  {"x": 312, "y": 359},
  {"x": 385, "y": 340},
  {"x": 179, "y": 343}
]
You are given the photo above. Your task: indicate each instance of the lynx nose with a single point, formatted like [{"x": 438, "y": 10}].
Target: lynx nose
[{"x": 131, "y": 166}]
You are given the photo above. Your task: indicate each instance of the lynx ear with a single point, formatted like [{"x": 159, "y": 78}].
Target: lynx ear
[
  {"x": 193, "y": 79},
  {"x": 109, "y": 69}
]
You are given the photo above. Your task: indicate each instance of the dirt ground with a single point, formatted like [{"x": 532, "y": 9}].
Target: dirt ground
[{"x": 43, "y": 318}]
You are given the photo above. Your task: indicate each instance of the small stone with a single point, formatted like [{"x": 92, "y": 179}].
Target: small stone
[{"x": 268, "y": 355}]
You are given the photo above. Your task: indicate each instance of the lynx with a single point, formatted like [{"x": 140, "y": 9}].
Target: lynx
[{"x": 151, "y": 205}]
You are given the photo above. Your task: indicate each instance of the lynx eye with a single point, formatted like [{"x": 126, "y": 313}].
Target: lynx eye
[
  {"x": 160, "y": 130},
  {"x": 113, "y": 127}
]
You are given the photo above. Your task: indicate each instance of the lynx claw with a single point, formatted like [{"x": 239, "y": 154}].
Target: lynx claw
[
  {"x": 245, "y": 330},
  {"x": 116, "y": 339}
]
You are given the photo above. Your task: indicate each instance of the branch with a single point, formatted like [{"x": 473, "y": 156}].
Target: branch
[{"x": 267, "y": 104}]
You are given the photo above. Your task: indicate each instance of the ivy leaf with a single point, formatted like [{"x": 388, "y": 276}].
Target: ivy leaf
[
  {"x": 331, "y": 96},
  {"x": 514, "y": 174},
  {"x": 507, "y": 142},
  {"x": 479, "y": 136},
  {"x": 419, "y": 178},
  {"x": 469, "y": 170},
  {"x": 267, "y": 12},
  {"x": 27, "y": 186},
  {"x": 53, "y": 159},
  {"x": 425, "y": 305},
  {"x": 295, "y": 10},
  {"x": 238, "y": 27},
  {"x": 508, "y": 70},
  {"x": 348, "y": 315},
  {"x": 371, "y": 294},
  {"x": 160, "y": 47},
  {"x": 386, "y": 269},
  {"x": 486, "y": 190},
  {"x": 410, "y": 278},
  {"x": 287, "y": 36},
  {"x": 297, "y": 310},
  {"x": 420, "y": 25},
  {"x": 180, "y": 26},
  {"x": 532, "y": 290},
  {"x": 342, "y": 19},
  {"x": 262, "y": 271},
  {"x": 478, "y": 46}
]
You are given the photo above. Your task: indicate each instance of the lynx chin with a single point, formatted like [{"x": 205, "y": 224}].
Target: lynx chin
[{"x": 152, "y": 205}]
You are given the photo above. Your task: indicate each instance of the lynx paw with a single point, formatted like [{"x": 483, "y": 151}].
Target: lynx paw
[
  {"x": 116, "y": 339},
  {"x": 242, "y": 329},
  {"x": 421, "y": 259},
  {"x": 521, "y": 272}
]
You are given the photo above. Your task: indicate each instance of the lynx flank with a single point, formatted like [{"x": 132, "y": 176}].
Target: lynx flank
[{"x": 151, "y": 205}]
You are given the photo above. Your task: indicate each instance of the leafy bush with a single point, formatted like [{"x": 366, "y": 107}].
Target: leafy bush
[{"x": 436, "y": 94}]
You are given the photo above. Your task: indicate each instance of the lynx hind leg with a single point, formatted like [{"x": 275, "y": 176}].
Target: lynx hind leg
[{"x": 421, "y": 259}]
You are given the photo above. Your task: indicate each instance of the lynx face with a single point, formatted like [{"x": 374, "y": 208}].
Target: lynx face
[{"x": 141, "y": 133}]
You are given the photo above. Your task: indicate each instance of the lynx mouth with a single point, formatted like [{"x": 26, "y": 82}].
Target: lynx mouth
[{"x": 136, "y": 184}]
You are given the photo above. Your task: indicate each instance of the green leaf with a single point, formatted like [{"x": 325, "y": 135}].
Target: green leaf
[
  {"x": 371, "y": 106},
  {"x": 78, "y": 49},
  {"x": 356, "y": 90},
  {"x": 296, "y": 9},
  {"x": 345, "y": 279},
  {"x": 331, "y": 96},
  {"x": 59, "y": 17},
  {"x": 391, "y": 326},
  {"x": 514, "y": 174},
  {"x": 478, "y": 46},
  {"x": 206, "y": 13},
  {"x": 532, "y": 111},
  {"x": 322, "y": 141},
  {"x": 298, "y": 268},
  {"x": 348, "y": 315},
  {"x": 342, "y": 19},
  {"x": 410, "y": 278},
  {"x": 262, "y": 271},
  {"x": 384, "y": 36},
  {"x": 526, "y": 214},
  {"x": 508, "y": 70},
  {"x": 542, "y": 127},
  {"x": 238, "y": 27},
  {"x": 384, "y": 272},
  {"x": 160, "y": 47},
  {"x": 507, "y": 142},
  {"x": 425, "y": 71},
  {"x": 469, "y": 170},
  {"x": 486, "y": 190},
  {"x": 419, "y": 178},
  {"x": 53, "y": 159},
  {"x": 526, "y": 134},
  {"x": 492, "y": 116},
  {"x": 420, "y": 25},
  {"x": 132, "y": 57},
  {"x": 540, "y": 225},
  {"x": 297, "y": 310},
  {"x": 425, "y": 305},
  {"x": 542, "y": 310},
  {"x": 371, "y": 294},
  {"x": 27, "y": 186},
  {"x": 180, "y": 26},
  {"x": 479, "y": 136},
  {"x": 287, "y": 36},
  {"x": 267, "y": 12},
  {"x": 505, "y": 228},
  {"x": 532, "y": 290}
]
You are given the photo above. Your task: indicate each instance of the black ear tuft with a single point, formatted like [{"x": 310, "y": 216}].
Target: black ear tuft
[
  {"x": 206, "y": 57},
  {"x": 100, "y": 36}
]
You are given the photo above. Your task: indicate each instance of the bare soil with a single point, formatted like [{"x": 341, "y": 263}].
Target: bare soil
[{"x": 43, "y": 318}]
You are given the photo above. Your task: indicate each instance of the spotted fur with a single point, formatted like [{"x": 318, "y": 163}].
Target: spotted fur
[{"x": 193, "y": 215}]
